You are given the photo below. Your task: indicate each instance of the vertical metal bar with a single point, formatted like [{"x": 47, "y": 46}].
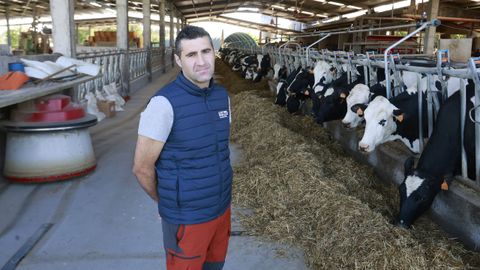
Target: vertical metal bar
[
  {"x": 429, "y": 104},
  {"x": 463, "y": 109},
  {"x": 161, "y": 8},
  {"x": 477, "y": 131},
  {"x": 7, "y": 16},
  {"x": 387, "y": 73},
  {"x": 420, "y": 116},
  {"x": 476, "y": 79},
  {"x": 366, "y": 81}
]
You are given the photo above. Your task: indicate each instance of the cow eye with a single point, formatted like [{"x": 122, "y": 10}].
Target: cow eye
[{"x": 382, "y": 122}]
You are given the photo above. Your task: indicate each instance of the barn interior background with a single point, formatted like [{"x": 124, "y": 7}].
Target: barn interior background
[{"x": 308, "y": 185}]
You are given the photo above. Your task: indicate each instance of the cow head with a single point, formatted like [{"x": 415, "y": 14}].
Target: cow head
[
  {"x": 417, "y": 192},
  {"x": 249, "y": 74},
  {"x": 279, "y": 72},
  {"x": 356, "y": 100},
  {"x": 380, "y": 117},
  {"x": 330, "y": 107}
]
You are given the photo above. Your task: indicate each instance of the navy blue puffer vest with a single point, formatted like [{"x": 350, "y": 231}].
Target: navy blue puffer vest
[{"x": 193, "y": 171}]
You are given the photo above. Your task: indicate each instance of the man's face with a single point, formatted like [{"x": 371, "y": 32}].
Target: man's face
[{"x": 197, "y": 60}]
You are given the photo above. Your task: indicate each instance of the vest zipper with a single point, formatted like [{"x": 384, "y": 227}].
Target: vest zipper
[
  {"x": 220, "y": 194},
  {"x": 178, "y": 185}
]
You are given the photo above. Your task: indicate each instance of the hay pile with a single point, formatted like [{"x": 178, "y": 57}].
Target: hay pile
[{"x": 306, "y": 192}]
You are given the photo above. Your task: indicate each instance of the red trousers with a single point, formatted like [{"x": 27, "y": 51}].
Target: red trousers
[{"x": 197, "y": 246}]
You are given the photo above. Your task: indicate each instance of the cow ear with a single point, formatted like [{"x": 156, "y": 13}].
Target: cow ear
[
  {"x": 408, "y": 166},
  {"x": 399, "y": 115},
  {"x": 359, "y": 109}
]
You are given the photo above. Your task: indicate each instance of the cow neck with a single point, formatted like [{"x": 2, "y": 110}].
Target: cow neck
[{"x": 192, "y": 88}]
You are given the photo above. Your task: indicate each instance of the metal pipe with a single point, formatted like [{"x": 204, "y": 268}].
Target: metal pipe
[
  {"x": 433, "y": 22},
  {"x": 285, "y": 44},
  {"x": 387, "y": 19},
  {"x": 476, "y": 78},
  {"x": 443, "y": 18},
  {"x": 309, "y": 46},
  {"x": 359, "y": 30},
  {"x": 463, "y": 109},
  {"x": 420, "y": 115}
]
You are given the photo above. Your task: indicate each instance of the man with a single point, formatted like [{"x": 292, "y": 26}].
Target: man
[{"x": 182, "y": 157}]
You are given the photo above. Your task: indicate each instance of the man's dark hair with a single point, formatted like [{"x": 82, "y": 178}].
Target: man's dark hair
[{"x": 190, "y": 32}]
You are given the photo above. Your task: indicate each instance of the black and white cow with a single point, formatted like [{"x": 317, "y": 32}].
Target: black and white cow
[
  {"x": 331, "y": 104},
  {"x": 388, "y": 120},
  {"x": 265, "y": 66},
  {"x": 299, "y": 90},
  {"x": 357, "y": 102},
  {"x": 324, "y": 74},
  {"x": 397, "y": 118},
  {"x": 249, "y": 61},
  {"x": 279, "y": 72},
  {"x": 281, "y": 97},
  {"x": 441, "y": 158}
]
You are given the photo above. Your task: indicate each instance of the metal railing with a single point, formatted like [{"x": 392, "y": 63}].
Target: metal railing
[
  {"x": 370, "y": 64},
  {"x": 110, "y": 62}
]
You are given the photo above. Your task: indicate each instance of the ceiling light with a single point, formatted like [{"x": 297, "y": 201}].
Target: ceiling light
[
  {"x": 95, "y": 4},
  {"x": 354, "y": 7},
  {"x": 321, "y": 16},
  {"x": 322, "y": 1},
  {"x": 336, "y": 3},
  {"x": 331, "y": 19},
  {"x": 279, "y": 7},
  {"x": 354, "y": 14},
  {"x": 306, "y": 12},
  {"x": 247, "y": 9}
]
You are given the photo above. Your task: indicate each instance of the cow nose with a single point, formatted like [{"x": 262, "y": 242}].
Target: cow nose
[{"x": 363, "y": 147}]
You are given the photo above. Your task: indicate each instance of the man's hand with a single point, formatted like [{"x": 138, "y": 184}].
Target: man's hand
[{"x": 146, "y": 154}]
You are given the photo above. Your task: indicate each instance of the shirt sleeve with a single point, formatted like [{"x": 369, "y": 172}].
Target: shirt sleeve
[{"x": 156, "y": 120}]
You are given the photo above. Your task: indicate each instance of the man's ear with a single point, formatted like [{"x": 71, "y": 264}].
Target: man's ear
[{"x": 177, "y": 59}]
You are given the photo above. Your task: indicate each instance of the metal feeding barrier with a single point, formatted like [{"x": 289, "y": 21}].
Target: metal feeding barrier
[{"x": 439, "y": 68}]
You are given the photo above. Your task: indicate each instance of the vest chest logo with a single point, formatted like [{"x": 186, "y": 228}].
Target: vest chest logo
[{"x": 223, "y": 114}]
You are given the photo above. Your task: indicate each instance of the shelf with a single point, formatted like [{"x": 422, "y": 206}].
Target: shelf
[{"x": 31, "y": 91}]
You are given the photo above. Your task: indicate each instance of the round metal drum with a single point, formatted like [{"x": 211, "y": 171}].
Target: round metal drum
[{"x": 48, "y": 156}]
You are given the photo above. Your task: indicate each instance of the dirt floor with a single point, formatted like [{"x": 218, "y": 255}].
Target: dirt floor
[{"x": 307, "y": 192}]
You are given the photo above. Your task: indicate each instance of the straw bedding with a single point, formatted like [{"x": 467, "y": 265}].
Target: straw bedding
[{"x": 306, "y": 192}]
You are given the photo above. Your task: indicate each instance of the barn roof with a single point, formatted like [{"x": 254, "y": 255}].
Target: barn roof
[{"x": 304, "y": 11}]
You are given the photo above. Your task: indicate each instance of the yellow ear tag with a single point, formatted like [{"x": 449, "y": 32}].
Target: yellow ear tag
[
  {"x": 399, "y": 118},
  {"x": 444, "y": 185},
  {"x": 359, "y": 112}
]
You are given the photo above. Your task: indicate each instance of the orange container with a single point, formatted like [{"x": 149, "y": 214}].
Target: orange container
[{"x": 13, "y": 80}]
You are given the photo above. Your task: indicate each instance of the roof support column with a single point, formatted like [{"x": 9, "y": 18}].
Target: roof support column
[
  {"x": 429, "y": 38},
  {"x": 172, "y": 39},
  {"x": 122, "y": 43},
  {"x": 147, "y": 38},
  {"x": 222, "y": 39},
  {"x": 9, "y": 36},
  {"x": 63, "y": 27},
  {"x": 161, "y": 6},
  {"x": 178, "y": 25},
  {"x": 411, "y": 10}
]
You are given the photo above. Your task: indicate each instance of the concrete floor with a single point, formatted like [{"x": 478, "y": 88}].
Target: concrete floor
[{"x": 104, "y": 220}]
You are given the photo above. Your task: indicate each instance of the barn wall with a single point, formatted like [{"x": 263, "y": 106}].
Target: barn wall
[{"x": 457, "y": 211}]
